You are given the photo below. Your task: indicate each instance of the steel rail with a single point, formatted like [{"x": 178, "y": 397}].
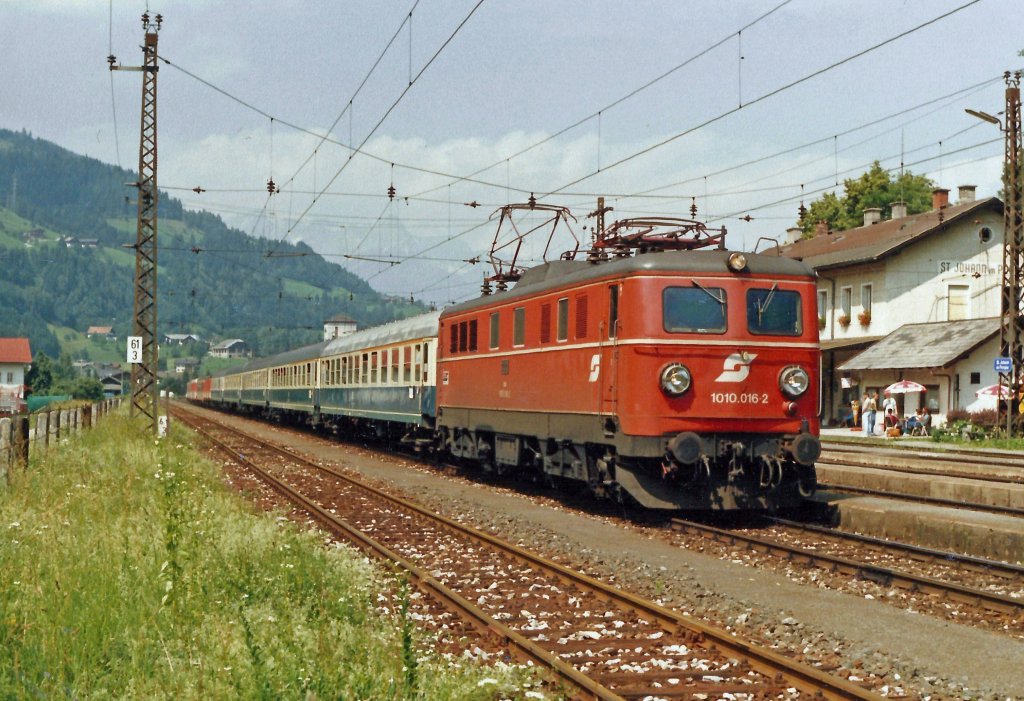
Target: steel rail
[
  {"x": 923, "y": 471},
  {"x": 976, "y": 563},
  {"x": 860, "y": 570},
  {"x": 805, "y": 678},
  {"x": 981, "y": 456},
  {"x": 935, "y": 501},
  {"x": 430, "y": 585}
]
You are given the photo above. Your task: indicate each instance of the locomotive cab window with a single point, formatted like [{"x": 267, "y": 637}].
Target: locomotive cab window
[
  {"x": 771, "y": 311},
  {"x": 696, "y": 309}
]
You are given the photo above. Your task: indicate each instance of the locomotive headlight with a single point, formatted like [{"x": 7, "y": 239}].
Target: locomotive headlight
[
  {"x": 794, "y": 381},
  {"x": 737, "y": 262},
  {"x": 675, "y": 379}
]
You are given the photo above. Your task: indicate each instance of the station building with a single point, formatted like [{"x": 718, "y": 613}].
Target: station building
[{"x": 914, "y": 297}]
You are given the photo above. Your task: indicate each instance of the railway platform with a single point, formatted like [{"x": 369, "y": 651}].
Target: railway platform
[
  {"x": 988, "y": 480},
  {"x": 980, "y": 534}
]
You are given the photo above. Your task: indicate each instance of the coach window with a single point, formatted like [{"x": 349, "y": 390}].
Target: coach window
[
  {"x": 562, "y": 320},
  {"x": 495, "y": 330},
  {"x": 696, "y": 309},
  {"x": 472, "y": 336},
  {"x": 364, "y": 368},
  {"x": 426, "y": 356},
  {"x": 519, "y": 326},
  {"x": 407, "y": 359},
  {"x": 396, "y": 365},
  {"x": 613, "y": 311},
  {"x": 774, "y": 311},
  {"x": 453, "y": 345},
  {"x": 463, "y": 336}
]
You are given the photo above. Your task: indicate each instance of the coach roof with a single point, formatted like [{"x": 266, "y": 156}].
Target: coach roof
[
  {"x": 574, "y": 273},
  {"x": 413, "y": 328}
]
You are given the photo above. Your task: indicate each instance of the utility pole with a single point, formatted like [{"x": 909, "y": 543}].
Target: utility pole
[
  {"x": 1011, "y": 338},
  {"x": 144, "y": 373}
]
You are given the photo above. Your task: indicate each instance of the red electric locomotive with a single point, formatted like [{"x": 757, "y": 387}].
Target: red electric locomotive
[{"x": 664, "y": 369}]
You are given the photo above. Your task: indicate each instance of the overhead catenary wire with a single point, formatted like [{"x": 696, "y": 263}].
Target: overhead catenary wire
[
  {"x": 387, "y": 112},
  {"x": 763, "y": 97}
]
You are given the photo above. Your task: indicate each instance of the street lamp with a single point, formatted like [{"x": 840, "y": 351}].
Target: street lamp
[{"x": 985, "y": 116}]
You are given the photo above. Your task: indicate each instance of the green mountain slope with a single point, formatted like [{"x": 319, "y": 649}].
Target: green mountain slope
[{"x": 213, "y": 280}]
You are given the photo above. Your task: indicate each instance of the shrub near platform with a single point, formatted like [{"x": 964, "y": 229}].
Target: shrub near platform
[{"x": 128, "y": 570}]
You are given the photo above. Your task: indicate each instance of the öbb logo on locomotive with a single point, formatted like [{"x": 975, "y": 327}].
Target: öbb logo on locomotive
[{"x": 604, "y": 373}]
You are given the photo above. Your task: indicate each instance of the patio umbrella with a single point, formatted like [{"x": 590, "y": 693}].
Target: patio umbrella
[
  {"x": 1001, "y": 391},
  {"x": 904, "y": 387}
]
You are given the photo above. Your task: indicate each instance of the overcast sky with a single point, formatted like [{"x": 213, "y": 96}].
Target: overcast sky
[{"x": 516, "y": 73}]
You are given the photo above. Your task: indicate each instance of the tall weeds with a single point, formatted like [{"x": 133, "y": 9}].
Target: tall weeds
[{"x": 128, "y": 571}]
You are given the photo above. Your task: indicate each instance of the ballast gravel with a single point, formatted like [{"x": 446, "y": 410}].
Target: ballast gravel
[{"x": 857, "y": 637}]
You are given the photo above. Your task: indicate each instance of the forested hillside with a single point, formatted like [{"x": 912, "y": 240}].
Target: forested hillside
[{"x": 213, "y": 280}]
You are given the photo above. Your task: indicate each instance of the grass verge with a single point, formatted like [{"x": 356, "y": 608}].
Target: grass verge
[{"x": 128, "y": 570}]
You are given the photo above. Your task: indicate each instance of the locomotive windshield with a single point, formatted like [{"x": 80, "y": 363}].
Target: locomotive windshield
[
  {"x": 696, "y": 309},
  {"x": 774, "y": 311}
]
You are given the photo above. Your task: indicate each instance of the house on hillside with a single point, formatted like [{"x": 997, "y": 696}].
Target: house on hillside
[
  {"x": 339, "y": 325},
  {"x": 105, "y": 332},
  {"x": 908, "y": 277},
  {"x": 183, "y": 365},
  {"x": 180, "y": 339},
  {"x": 114, "y": 381},
  {"x": 231, "y": 348},
  {"x": 15, "y": 360}
]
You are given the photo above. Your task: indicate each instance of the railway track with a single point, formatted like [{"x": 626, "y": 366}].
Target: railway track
[
  {"x": 603, "y": 642},
  {"x": 999, "y": 580},
  {"x": 991, "y": 466}
]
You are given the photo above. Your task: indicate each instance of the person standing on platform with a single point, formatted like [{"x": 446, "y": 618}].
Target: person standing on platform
[
  {"x": 864, "y": 402},
  {"x": 872, "y": 414}
]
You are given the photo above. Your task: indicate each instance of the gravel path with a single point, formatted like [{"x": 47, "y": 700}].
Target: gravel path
[{"x": 917, "y": 655}]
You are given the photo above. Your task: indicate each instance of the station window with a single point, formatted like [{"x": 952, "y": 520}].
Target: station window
[
  {"x": 957, "y": 302},
  {"x": 846, "y": 301},
  {"x": 865, "y": 298},
  {"x": 519, "y": 326},
  {"x": 495, "y": 330},
  {"x": 822, "y": 302},
  {"x": 975, "y": 378}
]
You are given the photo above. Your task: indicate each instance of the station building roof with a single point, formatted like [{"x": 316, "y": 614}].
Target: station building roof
[{"x": 937, "y": 344}]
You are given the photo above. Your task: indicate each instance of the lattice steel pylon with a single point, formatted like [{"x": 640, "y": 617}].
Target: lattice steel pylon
[
  {"x": 144, "y": 374},
  {"x": 1011, "y": 339}
]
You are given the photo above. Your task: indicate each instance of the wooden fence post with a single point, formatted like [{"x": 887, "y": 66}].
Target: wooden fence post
[
  {"x": 20, "y": 442},
  {"x": 5, "y": 449},
  {"x": 43, "y": 428}
]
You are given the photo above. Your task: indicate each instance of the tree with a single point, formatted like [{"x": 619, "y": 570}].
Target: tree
[
  {"x": 875, "y": 188},
  {"x": 40, "y": 376}
]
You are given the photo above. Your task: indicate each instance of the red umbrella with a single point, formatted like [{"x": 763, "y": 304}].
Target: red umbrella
[
  {"x": 1001, "y": 391},
  {"x": 904, "y": 387}
]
